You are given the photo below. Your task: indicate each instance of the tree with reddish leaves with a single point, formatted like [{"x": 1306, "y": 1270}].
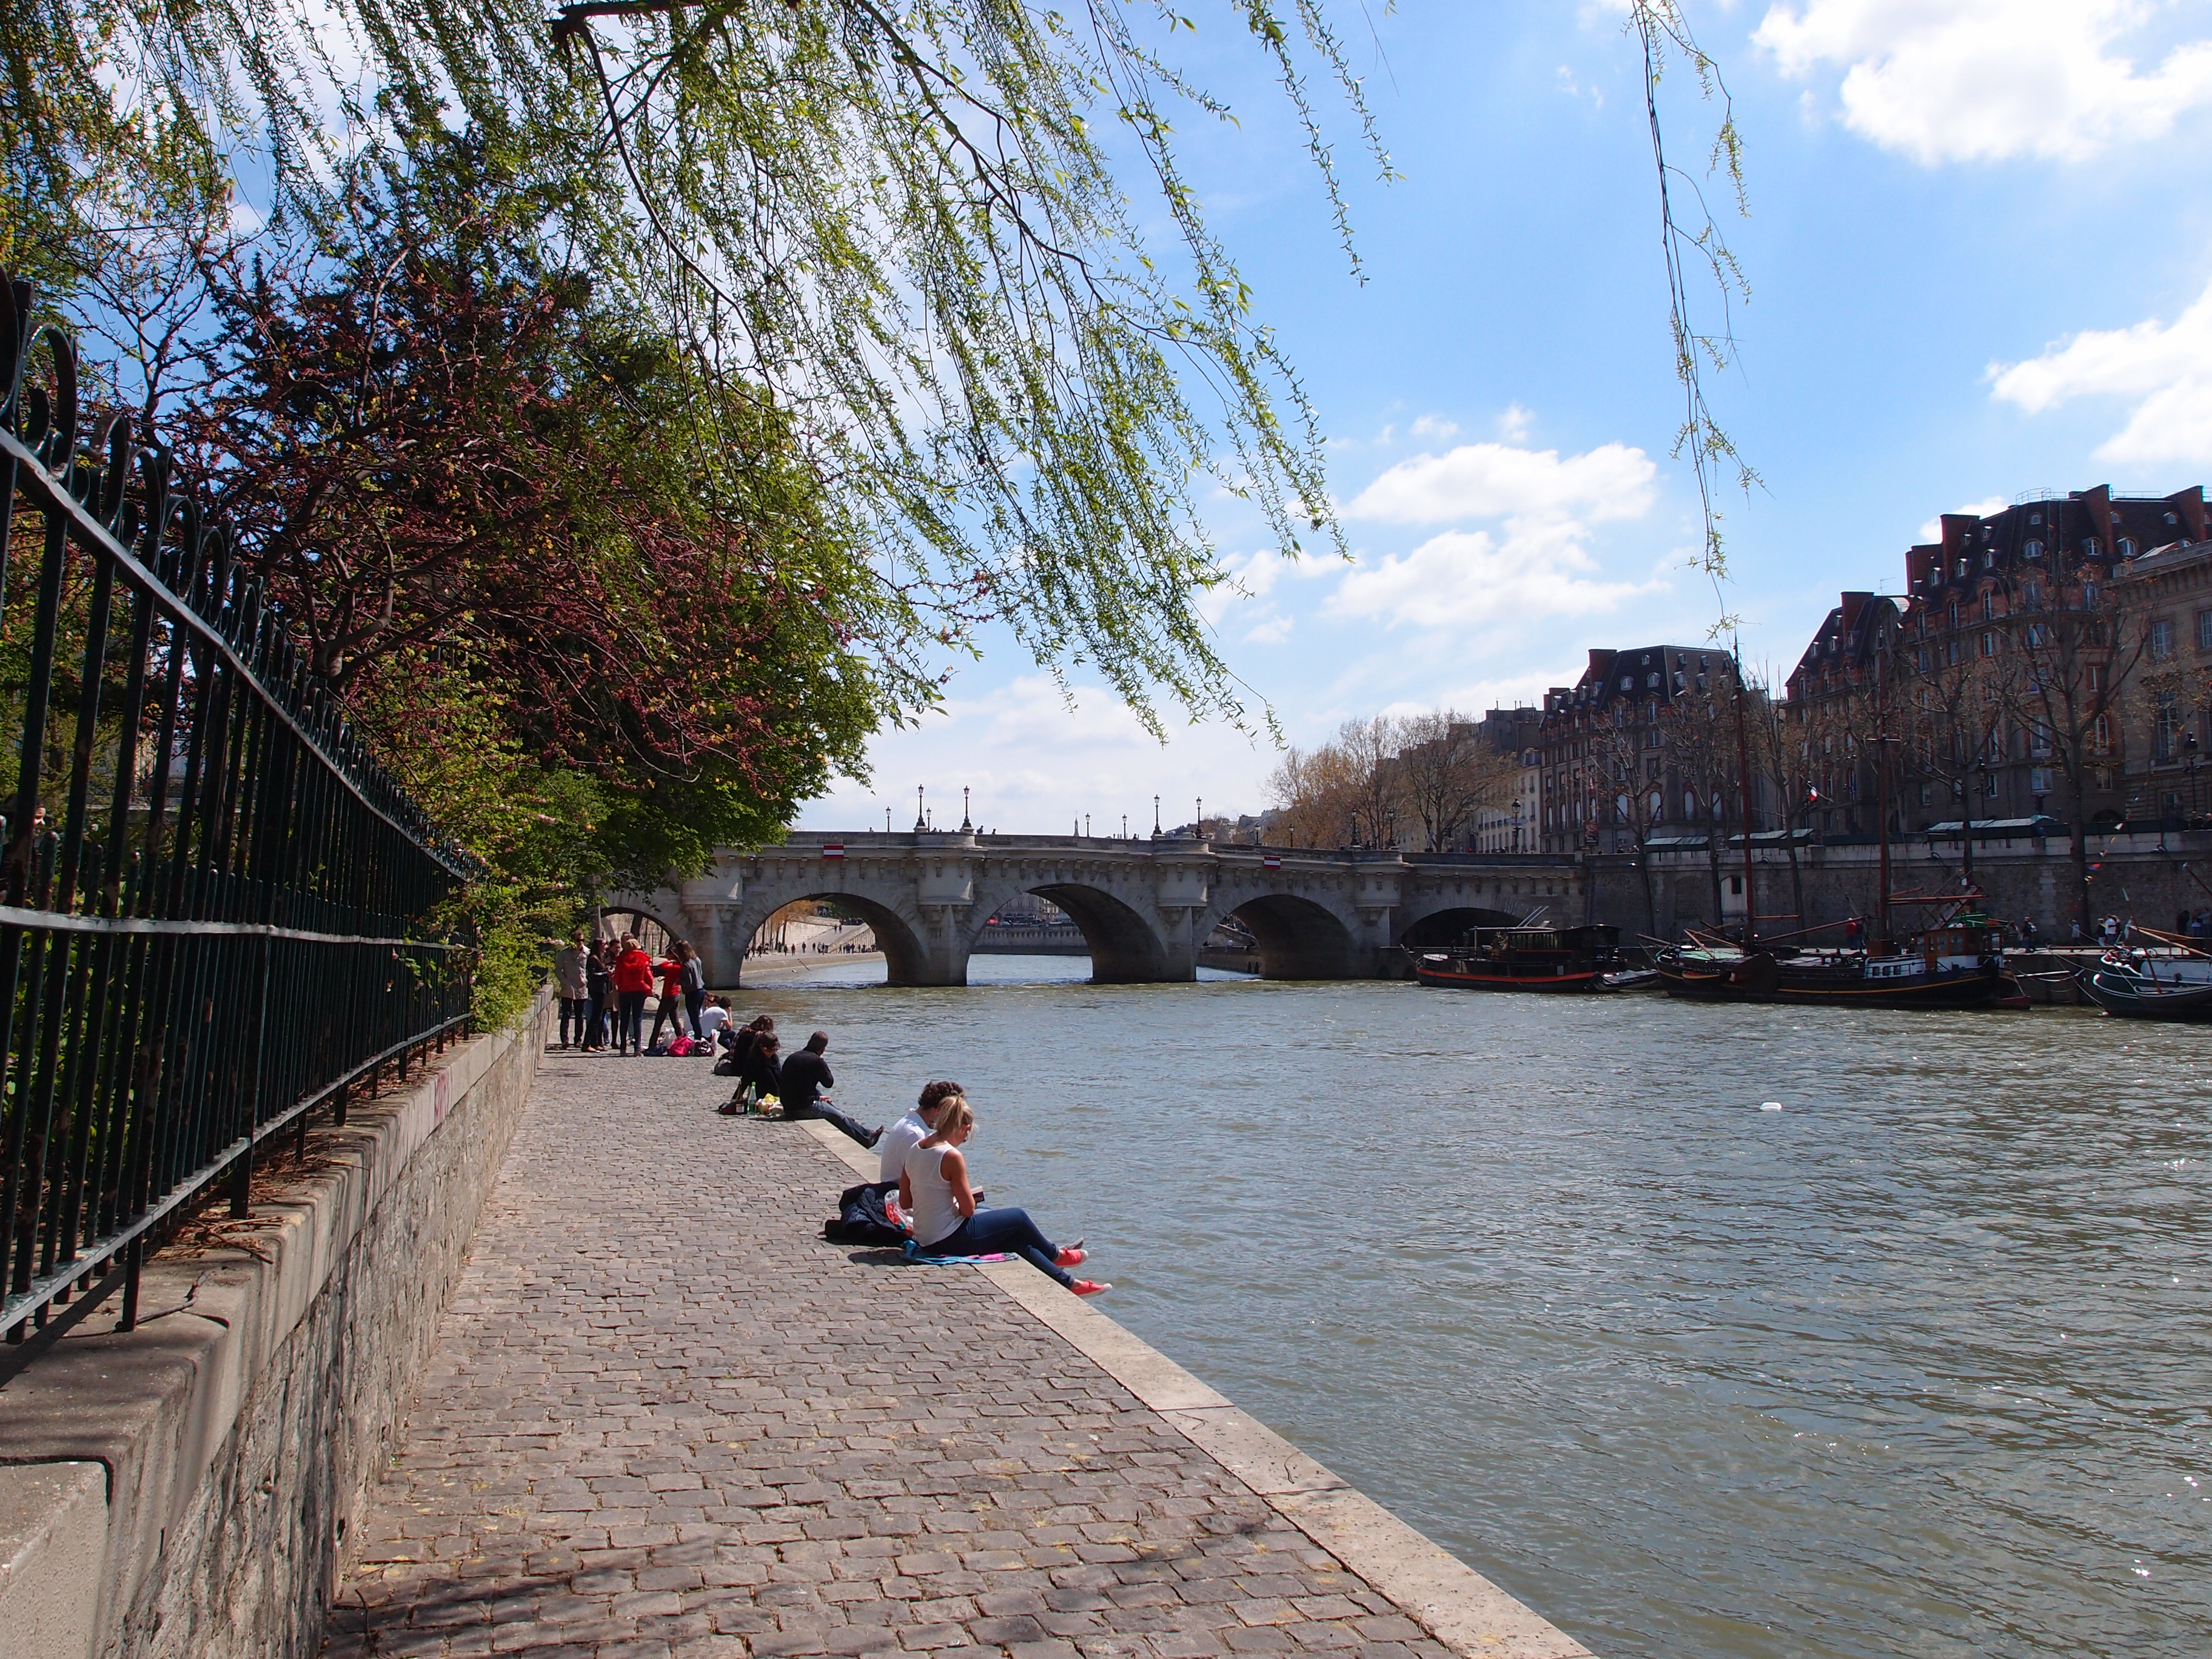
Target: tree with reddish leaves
[{"x": 455, "y": 463}]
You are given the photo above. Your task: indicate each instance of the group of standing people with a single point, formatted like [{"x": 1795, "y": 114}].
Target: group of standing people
[{"x": 605, "y": 984}]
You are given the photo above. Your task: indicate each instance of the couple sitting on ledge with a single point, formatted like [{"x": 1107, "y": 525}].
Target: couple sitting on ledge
[{"x": 921, "y": 1154}]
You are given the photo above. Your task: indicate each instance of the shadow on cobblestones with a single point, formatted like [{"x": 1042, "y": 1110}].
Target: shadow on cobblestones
[{"x": 665, "y": 1419}]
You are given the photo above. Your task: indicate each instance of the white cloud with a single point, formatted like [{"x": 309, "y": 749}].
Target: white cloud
[
  {"x": 1933, "y": 530},
  {"x": 2166, "y": 370},
  {"x": 1436, "y": 428},
  {"x": 1274, "y": 630},
  {"x": 1460, "y": 578},
  {"x": 1036, "y": 765},
  {"x": 1488, "y": 481},
  {"x": 1513, "y": 425},
  {"x": 1985, "y": 80}
]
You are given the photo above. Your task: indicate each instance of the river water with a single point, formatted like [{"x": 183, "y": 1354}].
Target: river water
[{"x": 1917, "y": 1364}]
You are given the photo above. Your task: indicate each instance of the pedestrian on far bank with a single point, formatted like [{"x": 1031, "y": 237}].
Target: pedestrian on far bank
[
  {"x": 633, "y": 984},
  {"x": 805, "y": 1076},
  {"x": 575, "y": 991},
  {"x": 1854, "y": 934},
  {"x": 2027, "y": 935}
]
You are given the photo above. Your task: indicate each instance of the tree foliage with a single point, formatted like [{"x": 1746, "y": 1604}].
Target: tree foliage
[{"x": 902, "y": 225}]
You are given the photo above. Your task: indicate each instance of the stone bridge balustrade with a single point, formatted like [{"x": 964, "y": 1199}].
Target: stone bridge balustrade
[{"x": 1144, "y": 905}]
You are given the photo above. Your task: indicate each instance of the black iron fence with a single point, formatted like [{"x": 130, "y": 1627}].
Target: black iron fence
[{"x": 214, "y": 909}]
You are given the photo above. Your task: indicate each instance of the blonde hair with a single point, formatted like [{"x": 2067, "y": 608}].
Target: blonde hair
[{"x": 953, "y": 1113}]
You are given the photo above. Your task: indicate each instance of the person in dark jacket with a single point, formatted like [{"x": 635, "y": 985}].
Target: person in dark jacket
[
  {"x": 599, "y": 985},
  {"x": 741, "y": 1043},
  {"x": 763, "y": 1068},
  {"x": 805, "y": 1076}
]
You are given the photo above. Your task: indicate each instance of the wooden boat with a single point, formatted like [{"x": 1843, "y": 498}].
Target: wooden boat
[
  {"x": 1553, "y": 959},
  {"x": 2140, "y": 987},
  {"x": 1956, "y": 964}
]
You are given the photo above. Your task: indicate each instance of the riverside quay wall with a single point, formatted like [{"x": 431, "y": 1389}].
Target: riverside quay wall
[
  {"x": 187, "y": 1491},
  {"x": 2146, "y": 877}
]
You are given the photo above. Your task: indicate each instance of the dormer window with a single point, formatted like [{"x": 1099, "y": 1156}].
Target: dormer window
[
  {"x": 2031, "y": 550},
  {"x": 2090, "y": 549},
  {"x": 2127, "y": 547},
  {"x": 2173, "y": 518},
  {"x": 1628, "y": 682},
  {"x": 2035, "y": 518},
  {"x": 1989, "y": 558}
]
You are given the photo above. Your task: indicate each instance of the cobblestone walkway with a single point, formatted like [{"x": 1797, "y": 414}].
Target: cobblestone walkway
[{"x": 664, "y": 1418}]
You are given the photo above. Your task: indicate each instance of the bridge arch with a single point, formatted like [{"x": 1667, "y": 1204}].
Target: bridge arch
[
  {"x": 899, "y": 928},
  {"x": 1125, "y": 949},
  {"x": 1297, "y": 937}
]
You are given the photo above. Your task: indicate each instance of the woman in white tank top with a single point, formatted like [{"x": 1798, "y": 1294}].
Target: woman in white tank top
[{"x": 934, "y": 1189}]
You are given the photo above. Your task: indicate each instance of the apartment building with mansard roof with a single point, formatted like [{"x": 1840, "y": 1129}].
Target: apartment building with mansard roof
[{"x": 1614, "y": 769}]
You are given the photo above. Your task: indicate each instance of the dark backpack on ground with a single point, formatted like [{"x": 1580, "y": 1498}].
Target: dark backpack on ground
[{"x": 860, "y": 1218}]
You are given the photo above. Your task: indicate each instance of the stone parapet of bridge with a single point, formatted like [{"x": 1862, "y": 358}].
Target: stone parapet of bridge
[{"x": 1144, "y": 905}]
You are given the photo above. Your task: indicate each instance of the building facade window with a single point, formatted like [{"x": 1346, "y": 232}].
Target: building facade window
[
  {"x": 2033, "y": 551},
  {"x": 1989, "y": 645},
  {"x": 2038, "y": 780},
  {"x": 2160, "y": 639},
  {"x": 2204, "y": 631}
]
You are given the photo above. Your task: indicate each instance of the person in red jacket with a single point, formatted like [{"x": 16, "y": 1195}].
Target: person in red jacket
[
  {"x": 670, "y": 1009},
  {"x": 633, "y": 984}
]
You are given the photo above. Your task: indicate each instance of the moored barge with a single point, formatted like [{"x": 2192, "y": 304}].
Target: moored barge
[{"x": 1548, "y": 959}]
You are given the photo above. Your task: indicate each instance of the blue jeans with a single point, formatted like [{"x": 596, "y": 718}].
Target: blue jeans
[
  {"x": 828, "y": 1114},
  {"x": 989, "y": 1231}
]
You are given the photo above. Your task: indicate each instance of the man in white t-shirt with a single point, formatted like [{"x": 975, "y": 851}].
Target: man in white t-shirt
[
  {"x": 903, "y": 1136},
  {"x": 712, "y": 1018}
]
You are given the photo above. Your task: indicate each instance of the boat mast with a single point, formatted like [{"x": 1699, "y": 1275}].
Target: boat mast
[
  {"x": 1743, "y": 778},
  {"x": 1882, "y": 800}
]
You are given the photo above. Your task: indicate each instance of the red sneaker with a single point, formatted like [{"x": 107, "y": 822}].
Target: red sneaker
[
  {"x": 1072, "y": 1256},
  {"x": 1088, "y": 1287}
]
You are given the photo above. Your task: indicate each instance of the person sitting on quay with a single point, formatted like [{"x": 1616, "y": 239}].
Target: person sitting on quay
[
  {"x": 800, "y": 1083},
  {"x": 713, "y": 1016},
  {"x": 741, "y": 1042},
  {"x": 762, "y": 1076},
  {"x": 903, "y": 1136},
  {"x": 633, "y": 984},
  {"x": 933, "y": 1190}
]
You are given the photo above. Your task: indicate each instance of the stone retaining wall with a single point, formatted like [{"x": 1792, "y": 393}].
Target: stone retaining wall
[{"x": 186, "y": 1491}]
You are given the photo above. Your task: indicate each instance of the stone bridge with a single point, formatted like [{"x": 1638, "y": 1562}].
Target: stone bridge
[{"x": 1145, "y": 906}]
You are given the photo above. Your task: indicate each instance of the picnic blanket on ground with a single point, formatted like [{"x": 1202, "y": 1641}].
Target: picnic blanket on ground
[{"x": 913, "y": 1253}]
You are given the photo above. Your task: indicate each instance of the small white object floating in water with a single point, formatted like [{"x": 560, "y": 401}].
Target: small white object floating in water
[{"x": 1771, "y": 1106}]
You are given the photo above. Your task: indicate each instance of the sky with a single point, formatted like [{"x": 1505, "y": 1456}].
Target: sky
[{"x": 1978, "y": 247}]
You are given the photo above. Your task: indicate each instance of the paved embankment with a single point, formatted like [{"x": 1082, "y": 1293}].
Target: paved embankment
[{"x": 664, "y": 1418}]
